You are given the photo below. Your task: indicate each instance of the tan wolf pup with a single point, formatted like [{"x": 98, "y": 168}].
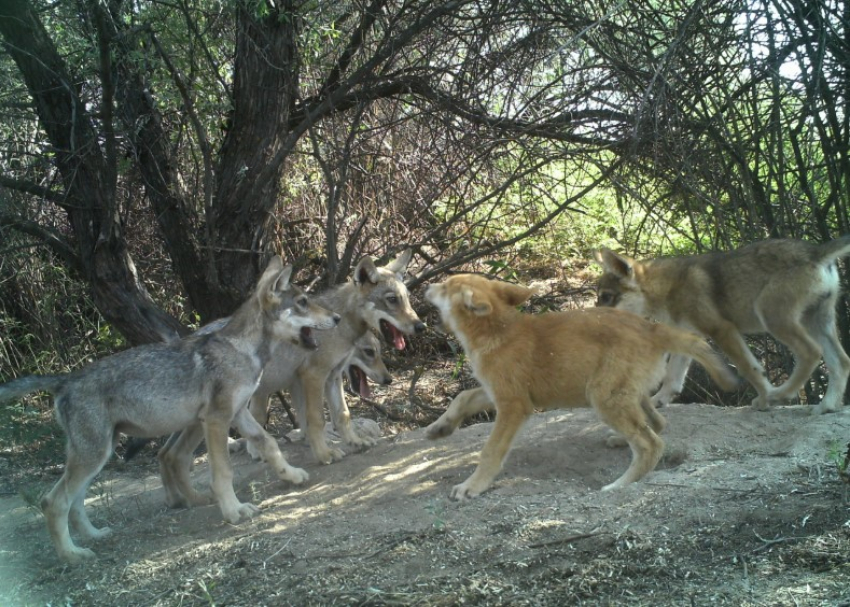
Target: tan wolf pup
[
  {"x": 787, "y": 288},
  {"x": 202, "y": 383},
  {"x": 604, "y": 358}
]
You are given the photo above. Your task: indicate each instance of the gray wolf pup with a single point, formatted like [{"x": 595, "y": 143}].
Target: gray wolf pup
[
  {"x": 202, "y": 383},
  {"x": 604, "y": 358},
  {"x": 367, "y": 363},
  {"x": 376, "y": 298},
  {"x": 787, "y": 288}
]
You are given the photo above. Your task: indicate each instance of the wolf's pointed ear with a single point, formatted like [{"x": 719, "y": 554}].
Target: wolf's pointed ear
[
  {"x": 610, "y": 261},
  {"x": 514, "y": 295},
  {"x": 475, "y": 303},
  {"x": 281, "y": 283},
  {"x": 400, "y": 263},
  {"x": 271, "y": 272},
  {"x": 365, "y": 271}
]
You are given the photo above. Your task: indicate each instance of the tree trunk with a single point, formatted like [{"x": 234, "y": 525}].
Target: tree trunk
[{"x": 264, "y": 90}]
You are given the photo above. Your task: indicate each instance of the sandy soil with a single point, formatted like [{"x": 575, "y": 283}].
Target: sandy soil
[{"x": 746, "y": 508}]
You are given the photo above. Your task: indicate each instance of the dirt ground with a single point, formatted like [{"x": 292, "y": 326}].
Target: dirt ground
[{"x": 746, "y": 508}]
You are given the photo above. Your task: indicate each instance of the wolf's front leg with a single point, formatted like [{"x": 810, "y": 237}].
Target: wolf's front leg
[
  {"x": 268, "y": 448},
  {"x": 509, "y": 419},
  {"x": 259, "y": 409},
  {"x": 340, "y": 415},
  {"x": 308, "y": 394},
  {"x": 464, "y": 405},
  {"x": 216, "y": 431}
]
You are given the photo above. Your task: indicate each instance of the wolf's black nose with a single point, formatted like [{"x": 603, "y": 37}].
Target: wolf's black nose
[
  {"x": 337, "y": 318},
  {"x": 419, "y": 327},
  {"x": 388, "y": 380}
]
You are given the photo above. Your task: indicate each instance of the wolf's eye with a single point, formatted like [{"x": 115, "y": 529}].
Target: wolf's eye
[
  {"x": 605, "y": 298},
  {"x": 393, "y": 299},
  {"x": 369, "y": 352},
  {"x": 301, "y": 301}
]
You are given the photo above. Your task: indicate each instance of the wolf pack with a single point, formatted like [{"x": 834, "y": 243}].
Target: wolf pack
[{"x": 626, "y": 358}]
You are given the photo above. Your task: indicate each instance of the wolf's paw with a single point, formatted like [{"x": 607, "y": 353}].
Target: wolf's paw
[
  {"x": 76, "y": 555},
  {"x": 236, "y": 445},
  {"x": 98, "y": 534},
  {"x": 360, "y": 442},
  {"x": 253, "y": 451},
  {"x": 465, "y": 491},
  {"x": 439, "y": 429},
  {"x": 329, "y": 456},
  {"x": 242, "y": 511},
  {"x": 825, "y": 407},
  {"x": 658, "y": 401},
  {"x": 615, "y": 441},
  {"x": 760, "y": 403},
  {"x": 294, "y": 475},
  {"x": 248, "y": 510}
]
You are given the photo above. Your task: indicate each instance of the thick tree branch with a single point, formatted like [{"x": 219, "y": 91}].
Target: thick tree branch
[
  {"x": 49, "y": 237},
  {"x": 29, "y": 187}
]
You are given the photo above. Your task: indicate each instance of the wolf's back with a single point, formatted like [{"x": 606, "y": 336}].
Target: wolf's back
[
  {"x": 22, "y": 386},
  {"x": 834, "y": 249}
]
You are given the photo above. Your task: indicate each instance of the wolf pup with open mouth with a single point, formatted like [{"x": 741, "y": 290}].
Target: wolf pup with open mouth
[{"x": 200, "y": 385}]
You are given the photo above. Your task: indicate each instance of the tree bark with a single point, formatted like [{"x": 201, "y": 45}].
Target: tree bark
[{"x": 264, "y": 90}]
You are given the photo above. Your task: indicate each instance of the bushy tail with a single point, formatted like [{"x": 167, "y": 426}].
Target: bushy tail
[
  {"x": 834, "y": 249},
  {"x": 17, "y": 388},
  {"x": 693, "y": 346}
]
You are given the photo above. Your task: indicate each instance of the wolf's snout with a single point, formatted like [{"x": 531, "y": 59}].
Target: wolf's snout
[
  {"x": 419, "y": 327},
  {"x": 387, "y": 380}
]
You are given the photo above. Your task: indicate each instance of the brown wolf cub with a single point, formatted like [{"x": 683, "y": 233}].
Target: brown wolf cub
[
  {"x": 787, "y": 288},
  {"x": 607, "y": 359}
]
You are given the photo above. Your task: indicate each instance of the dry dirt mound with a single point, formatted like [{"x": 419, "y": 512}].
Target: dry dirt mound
[{"x": 746, "y": 508}]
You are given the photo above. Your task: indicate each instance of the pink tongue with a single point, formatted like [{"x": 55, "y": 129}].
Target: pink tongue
[
  {"x": 398, "y": 338},
  {"x": 365, "y": 392}
]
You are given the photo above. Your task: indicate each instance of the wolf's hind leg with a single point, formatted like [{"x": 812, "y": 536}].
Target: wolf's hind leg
[
  {"x": 627, "y": 414},
  {"x": 80, "y": 521},
  {"x": 175, "y": 463},
  {"x": 821, "y": 326},
  {"x": 69, "y": 493},
  {"x": 655, "y": 419}
]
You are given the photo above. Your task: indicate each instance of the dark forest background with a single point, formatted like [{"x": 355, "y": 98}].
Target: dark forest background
[{"x": 154, "y": 154}]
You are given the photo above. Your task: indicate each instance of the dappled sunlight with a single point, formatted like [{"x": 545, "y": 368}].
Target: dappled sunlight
[
  {"x": 384, "y": 515},
  {"x": 405, "y": 475}
]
